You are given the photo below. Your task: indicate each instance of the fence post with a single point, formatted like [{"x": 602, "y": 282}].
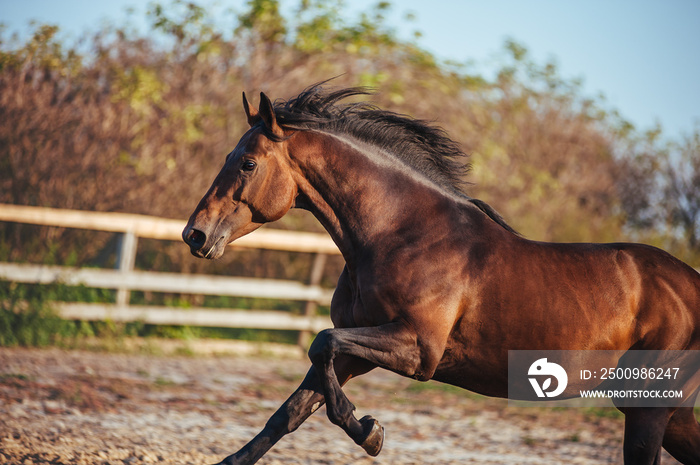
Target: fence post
[
  {"x": 126, "y": 257},
  {"x": 310, "y": 306}
]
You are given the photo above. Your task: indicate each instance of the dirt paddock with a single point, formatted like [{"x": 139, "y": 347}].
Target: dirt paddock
[{"x": 77, "y": 407}]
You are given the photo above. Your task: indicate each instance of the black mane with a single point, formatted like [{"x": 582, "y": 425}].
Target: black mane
[
  {"x": 421, "y": 145},
  {"x": 426, "y": 148}
]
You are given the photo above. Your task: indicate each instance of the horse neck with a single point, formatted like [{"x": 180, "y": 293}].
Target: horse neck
[{"x": 361, "y": 195}]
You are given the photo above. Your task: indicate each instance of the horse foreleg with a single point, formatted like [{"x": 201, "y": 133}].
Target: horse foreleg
[
  {"x": 301, "y": 405},
  {"x": 392, "y": 346},
  {"x": 644, "y": 433}
]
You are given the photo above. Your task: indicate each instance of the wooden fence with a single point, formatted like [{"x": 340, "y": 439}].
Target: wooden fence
[{"x": 125, "y": 279}]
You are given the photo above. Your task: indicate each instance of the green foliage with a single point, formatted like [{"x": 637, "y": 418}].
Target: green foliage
[
  {"x": 27, "y": 319},
  {"x": 263, "y": 19},
  {"x": 45, "y": 50},
  {"x": 140, "y": 88},
  {"x": 253, "y": 335},
  {"x": 319, "y": 32},
  {"x": 187, "y": 22}
]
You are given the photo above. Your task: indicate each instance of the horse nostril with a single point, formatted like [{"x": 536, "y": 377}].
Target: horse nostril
[{"x": 195, "y": 238}]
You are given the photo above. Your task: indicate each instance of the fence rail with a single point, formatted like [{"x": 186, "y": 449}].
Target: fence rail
[
  {"x": 262, "y": 319},
  {"x": 164, "y": 282},
  {"x": 161, "y": 228},
  {"x": 125, "y": 279}
]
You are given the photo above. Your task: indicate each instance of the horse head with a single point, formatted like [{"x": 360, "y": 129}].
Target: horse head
[{"x": 255, "y": 186}]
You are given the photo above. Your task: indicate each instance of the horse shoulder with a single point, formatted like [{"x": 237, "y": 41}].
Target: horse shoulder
[{"x": 343, "y": 301}]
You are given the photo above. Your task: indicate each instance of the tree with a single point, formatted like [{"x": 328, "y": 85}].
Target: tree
[
  {"x": 142, "y": 123},
  {"x": 681, "y": 192}
]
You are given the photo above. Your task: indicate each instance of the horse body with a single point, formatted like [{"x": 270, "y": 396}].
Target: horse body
[
  {"x": 554, "y": 296},
  {"x": 436, "y": 285},
  {"x": 569, "y": 297}
]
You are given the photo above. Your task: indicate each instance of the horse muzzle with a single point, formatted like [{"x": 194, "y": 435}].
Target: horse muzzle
[{"x": 201, "y": 245}]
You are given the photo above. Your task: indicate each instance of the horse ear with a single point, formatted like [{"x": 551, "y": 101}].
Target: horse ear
[
  {"x": 250, "y": 112},
  {"x": 267, "y": 113}
]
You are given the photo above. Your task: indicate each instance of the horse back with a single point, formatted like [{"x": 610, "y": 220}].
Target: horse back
[{"x": 622, "y": 294}]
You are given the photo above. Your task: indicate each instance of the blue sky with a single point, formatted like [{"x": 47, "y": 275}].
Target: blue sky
[{"x": 642, "y": 55}]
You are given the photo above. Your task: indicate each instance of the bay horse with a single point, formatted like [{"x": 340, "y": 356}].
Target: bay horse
[{"x": 436, "y": 285}]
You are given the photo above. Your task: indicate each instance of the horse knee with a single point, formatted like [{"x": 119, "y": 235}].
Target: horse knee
[{"x": 323, "y": 347}]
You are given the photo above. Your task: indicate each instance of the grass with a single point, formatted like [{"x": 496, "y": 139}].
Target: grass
[
  {"x": 14, "y": 376},
  {"x": 163, "y": 382},
  {"x": 602, "y": 412}
]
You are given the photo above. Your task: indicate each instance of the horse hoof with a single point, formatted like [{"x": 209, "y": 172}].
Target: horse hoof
[{"x": 374, "y": 439}]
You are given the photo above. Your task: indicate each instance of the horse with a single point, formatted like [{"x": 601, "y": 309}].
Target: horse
[{"x": 436, "y": 285}]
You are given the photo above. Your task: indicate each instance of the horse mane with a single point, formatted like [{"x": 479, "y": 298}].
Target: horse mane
[{"x": 419, "y": 144}]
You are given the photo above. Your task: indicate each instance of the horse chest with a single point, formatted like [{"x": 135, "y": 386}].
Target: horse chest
[
  {"x": 369, "y": 308},
  {"x": 364, "y": 300}
]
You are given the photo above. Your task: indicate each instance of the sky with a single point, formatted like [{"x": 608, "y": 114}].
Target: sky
[{"x": 642, "y": 55}]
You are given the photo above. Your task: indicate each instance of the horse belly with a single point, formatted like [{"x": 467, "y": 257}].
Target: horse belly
[{"x": 482, "y": 371}]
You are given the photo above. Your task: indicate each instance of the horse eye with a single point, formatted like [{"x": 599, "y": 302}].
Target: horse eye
[{"x": 248, "y": 165}]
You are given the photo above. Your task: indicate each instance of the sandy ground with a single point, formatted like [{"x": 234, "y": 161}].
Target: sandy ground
[{"x": 76, "y": 407}]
